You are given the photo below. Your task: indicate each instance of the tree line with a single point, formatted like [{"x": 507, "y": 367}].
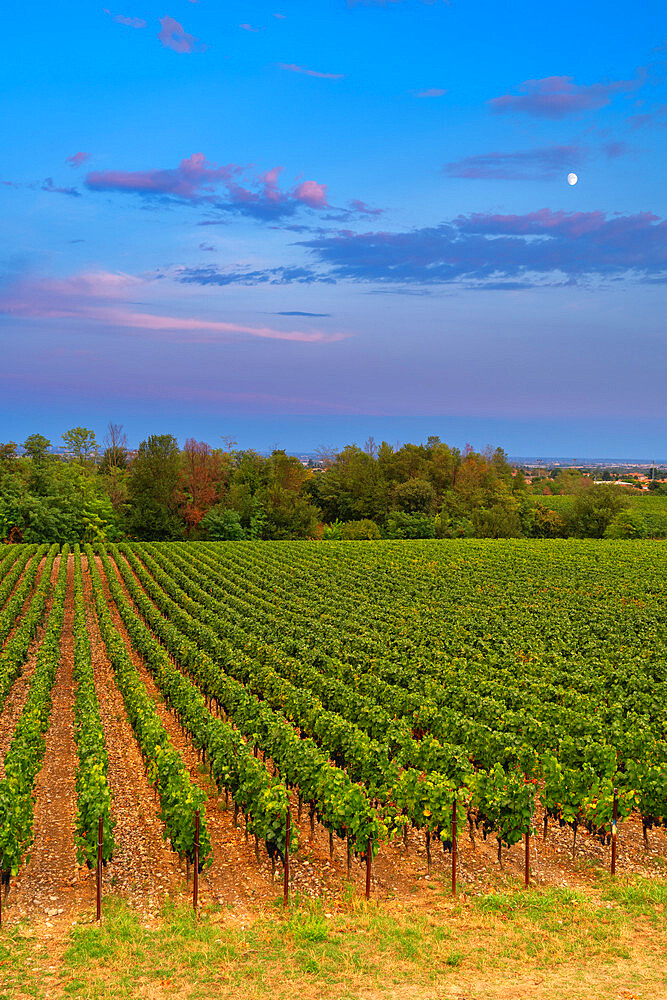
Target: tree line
[{"x": 84, "y": 492}]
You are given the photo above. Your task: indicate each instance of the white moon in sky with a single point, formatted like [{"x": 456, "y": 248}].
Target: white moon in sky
[{"x": 572, "y": 179}]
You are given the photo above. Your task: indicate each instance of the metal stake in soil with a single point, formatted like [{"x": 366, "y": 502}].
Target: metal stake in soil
[
  {"x": 454, "y": 848},
  {"x": 100, "y": 835},
  {"x": 527, "y": 861},
  {"x": 369, "y": 855},
  {"x": 614, "y": 823},
  {"x": 286, "y": 862},
  {"x": 195, "y": 883}
]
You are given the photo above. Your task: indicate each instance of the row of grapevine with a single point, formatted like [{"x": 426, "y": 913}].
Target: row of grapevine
[
  {"x": 10, "y": 557},
  {"x": 93, "y": 795},
  {"x": 13, "y": 604},
  {"x": 26, "y": 751},
  {"x": 179, "y": 797},
  {"x": 15, "y": 651}
]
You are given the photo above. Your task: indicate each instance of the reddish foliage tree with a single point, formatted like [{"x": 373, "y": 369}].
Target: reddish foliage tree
[{"x": 200, "y": 482}]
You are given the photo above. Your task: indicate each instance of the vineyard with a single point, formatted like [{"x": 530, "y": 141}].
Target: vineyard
[{"x": 375, "y": 711}]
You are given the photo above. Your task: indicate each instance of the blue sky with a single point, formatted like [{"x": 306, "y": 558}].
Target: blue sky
[{"x": 303, "y": 223}]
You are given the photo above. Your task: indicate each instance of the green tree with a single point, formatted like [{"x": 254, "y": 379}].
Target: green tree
[
  {"x": 626, "y": 524},
  {"x": 547, "y": 523},
  {"x": 363, "y": 530},
  {"x": 80, "y": 445},
  {"x": 593, "y": 510},
  {"x": 36, "y": 447},
  {"x": 152, "y": 489},
  {"x": 401, "y": 524},
  {"x": 416, "y": 496},
  {"x": 223, "y": 525}
]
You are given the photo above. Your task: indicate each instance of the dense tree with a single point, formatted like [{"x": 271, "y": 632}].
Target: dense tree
[
  {"x": 223, "y": 525},
  {"x": 79, "y": 444},
  {"x": 415, "y": 496},
  {"x": 363, "y": 530},
  {"x": 200, "y": 479},
  {"x": 152, "y": 489},
  {"x": 593, "y": 510},
  {"x": 400, "y": 524}
]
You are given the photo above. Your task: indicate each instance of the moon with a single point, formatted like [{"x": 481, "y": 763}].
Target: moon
[{"x": 572, "y": 179}]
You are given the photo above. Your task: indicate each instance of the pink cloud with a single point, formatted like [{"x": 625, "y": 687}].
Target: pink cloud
[
  {"x": 293, "y": 68},
  {"x": 191, "y": 180},
  {"x": 129, "y": 22},
  {"x": 248, "y": 27},
  {"x": 558, "y": 97},
  {"x": 77, "y": 159},
  {"x": 432, "y": 92},
  {"x": 197, "y": 180},
  {"x": 279, "y": 17},
  {"x": 311, "y": 193},
  {"x": 174, "y": 36},
  {"x": 95, "y": 298}
]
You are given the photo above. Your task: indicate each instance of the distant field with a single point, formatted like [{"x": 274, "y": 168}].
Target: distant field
[{"x": 652, "y": 508}]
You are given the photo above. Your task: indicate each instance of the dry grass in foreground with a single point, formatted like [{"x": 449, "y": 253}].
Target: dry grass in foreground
[{"x": 549, "y": 943}]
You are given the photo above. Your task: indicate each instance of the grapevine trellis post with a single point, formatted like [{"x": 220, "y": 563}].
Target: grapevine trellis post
[
  {"x": 527, "y": 859},
  {"x": 100, "y": 836},
  {"x": 614, "y": 823},
  {"x": 454, "y": 848},
  {"x": 369, "y": 855},
  {"x": 195, "y": 881},
  {"x": 286, "y": 864}
]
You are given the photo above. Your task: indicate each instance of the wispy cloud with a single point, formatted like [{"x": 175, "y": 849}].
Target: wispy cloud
[
  {"x": 558, "y": 97},
  {"x": 298, "y": 312},
  {"x": 248, "y": 27},
  {"x": 77, "y": 159},
  {"x": 287, "y": 275},
  {"x": 49, "y": 186},
  {"x": 432, "y": 92},
  {"x": 543, "y": 163},
  {"x": 129, "y": 22},
  {"x": 110, "y": 299},
  {"x": 361, "y": 208},
  {"x": 656, "y": 117},
  {"x": 173, "y": 36},
  {"x": 529, "y": 164},
  {"x": 293, "y": 68}
]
